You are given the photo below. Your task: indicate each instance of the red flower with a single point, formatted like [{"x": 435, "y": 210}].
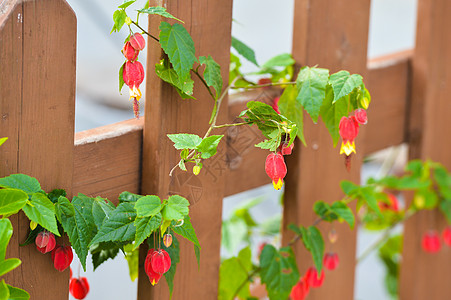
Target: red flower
[
  {"x": 154, "y": 277},
  {"x": 447, "y": 235},
  {"x": 129, "y": 52},
  {"x": 137, "y": 41},
  {"x": 312, "y": 277},
  {"x": 331, "y": 261},
  {"x": 360, "y": 116},
  {"x": 133, "y": 74},
  {"x": 348, "y": 130},
  {"x": 431, "y": 242},
  {"x": 62, "y": 257},
  {"x": 45, "y": 241},
  {"x": 276, "y": 169},
  {"x": 300, "y": 290},
  {"x": 286, "y": 150},
  {"x": 79, "y": 287},
  {"x": 160, "y": 261},
  {"x": 393, "y": 205},
  {"x": 275, "y": 104}
]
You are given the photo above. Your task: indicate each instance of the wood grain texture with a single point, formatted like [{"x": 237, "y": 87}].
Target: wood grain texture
[
  {"x": 329, "y": 34},
  {"x": 40, "y": 118},
  {"x": 209, "y": 23},
  {"x": 425, "y": 276},
  {"x": 107, "y": 160}
]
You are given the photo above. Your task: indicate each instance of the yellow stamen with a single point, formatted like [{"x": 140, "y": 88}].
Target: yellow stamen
[
  {"x": 153, "y": 282},
  {"x": 347, "y": 148},
  {"x": 277, "y": 185},
  {"x": 135, "y": 93}
]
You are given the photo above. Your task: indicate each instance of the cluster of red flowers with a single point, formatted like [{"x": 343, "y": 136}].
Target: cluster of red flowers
[
  {"x": 61, "y": 255},
  {"x": 156, "y": 264},
  {"x": 312, "y": 279},
  {"x": 275, "y": 165},
  {"x": 78, "y": 287},
  {"x": 431, "y": 240},
  {"x": 133, "y": 73}
]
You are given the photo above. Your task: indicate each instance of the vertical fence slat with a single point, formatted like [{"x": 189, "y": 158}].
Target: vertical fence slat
[
  {"x": 426, "y": 276},
  {"x": 39, "y": 110},
  {"x": 209, "y": 23},
  {"x": 332, "y": 34}
]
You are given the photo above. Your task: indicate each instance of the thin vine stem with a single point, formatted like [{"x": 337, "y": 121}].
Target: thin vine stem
[
  {"x": 143, "y": 30},
  {"x": 204, "y": 83},
  {"x": 264, "y": 85},
  {"x": 231, "y": 125}
]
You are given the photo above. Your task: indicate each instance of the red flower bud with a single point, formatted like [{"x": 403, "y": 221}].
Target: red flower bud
[
  {"x": 275, "y": 104},
  {"x": 312, "y": 277},
  {"x": 348, "y": 130},
  {"x": 431, "y": 242},
  {"x": 62, "y": 257},
  {"x": 45, "y": 241},
  {"x": 286, "y": 150},
  {"x": 331, "y": 261},
  {"x": 276, "y": 169},
  {"x": 129, "y": 52},
  {"x": 300, "y": 290},
  {"x": 137, "y": 41},
  {"x": 79, "y": 287},
  {"x": 154, "y": 277},
  {"x": 167, "y": 240},
  {"x": 447, "y": 235},
  {"x": 133, "y": 73},
  {"x": 160, "y": 261},
  {"x": 360, "y": 116},
  {"x": 393, "y": 205}
]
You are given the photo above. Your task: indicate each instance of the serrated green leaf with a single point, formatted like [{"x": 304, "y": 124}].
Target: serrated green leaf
[
  {"x": 209, "y": 145},
  {"x": 314, "y": 243},
  {"x": 323, "y": 210},
  {"x": 443, "y": 179},
  {"x": 176, "y": 208},
  {"x": 179, "y": 46},
  {"x": 119, "y": 226},
  {"x": 278, "y": 271},
  {"x": 148, "y": 206},
  {"x": 41, "y": 210},
  {"x": 185, "y": 140},
  {"x": 187, "y": 231},
  {"x": 144, "y": 228},
  {"x": 311, "y": 83},
  {"x": 4, "y": 291},
  {"x": 367, "y": 194},
  {"x": 349, "y": 188},
  {"x": 28, "y": 184},
  {"x": 158, "y": 10},
  {"x": 101, "y": 209},
  {"x": 169, "y": 75},
  {"x": 55, "y": 194},
  {"x": 119, "y": 17},
  {"x": 331, "y": 113},
  {"x": 344, "y": 212},
  {"x": 126, "y": 4},
  {"x": 291, "y": 108},
  {"x": 212, "y": 73},
  {"x": 232, "y": 273},
  {"x": 445, "y": 208},
  {"x": 17, "y": 294},
  {"x": 343, "y": 83},
  {"x": 12, "y": 200},
  {"x": 8, "y": 265},
  {"x": 129, "y": 197},
  {"x": 244, "y": 50},
  {"x": 101, "y": 253},
  {"x": 281, "y": 60}
]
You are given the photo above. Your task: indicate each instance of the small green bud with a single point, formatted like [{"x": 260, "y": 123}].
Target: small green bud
[
  {"x": 128, "y": 21},
  {"x": 196, "y": 170}
]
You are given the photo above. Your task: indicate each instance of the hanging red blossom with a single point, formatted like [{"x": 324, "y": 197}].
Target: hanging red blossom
[
  {"x": 312, "y": 277},
  {"x": 62, "y": 257},
  {"x": 431, "y": 242},
  {"x": 276, "y": 169},
  {"x": 154, "y": 277},
  {"x": 300, "y": 290},
  {"x": 137, "y": 41},
  {"x": 45, "y": 241},
  {"x": 79, "y": 287},
  {"x": 348, "y": 130},
  {"x": 331, "y": 261}
]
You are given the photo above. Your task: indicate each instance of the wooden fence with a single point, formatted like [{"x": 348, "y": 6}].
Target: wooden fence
[{"x": 37, "y": 95}]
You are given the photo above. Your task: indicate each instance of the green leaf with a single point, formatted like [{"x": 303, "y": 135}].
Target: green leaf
[
  {"x": 208, "y": 146},
  {"x": 343, "y": 83},
  {"x": 176, "y": 208},
  {"x": 12, "y": 200},
  {"x": 168, "y": 74},
  {"x": 232, "y": 273},
  {"x": 158, "y": 10},
  {"x": 128, "y": 197},
  {"x": 119, "y": 226},
  {"x": 269, "y": 144},
  {"x": 6, "y": 231},
  {"x": 278, "y": 271},
  {"x": 323, "y": 210},
  {"x": 349, "y": 188},
  {"x": 28, "y": 184},
  {"x": 212, "y": 73},
  {"x": 2, "y": 140},
  {"x": 41, "y": 210},
  {"x": 443, "y": 179},
  {"x": 101, "y": 253},
  {"x": 17, "y": 294},
  {"x": 179, "y": 46},
  {"x": 144, "y": 228},
  {"x": 313, "y": 242},
  {"x": 126, "y": 4},
  {"x": 185, "y": 140},
  {"x": 445, "y": 207},
  {"x": 4, "y": 290},
  {"x": 291, "y": 108},
  {"x": 119, "y": 17},
  {"x": 281, "y": 60},
  {"x": 331, "y": 113},
  {"x": 121, "y": 78},
  {"x": 368, "y": 195},
  {"x": 244, "y": 50},
  {"x": 8, "y": 265},
  {"x": 344, "y": 212},
  {"x": 32, "y": 236},
  {"x": 101, "y": 209},
  {"x": 187, "y": 231},
  {"x": 312, "y": 83},
  {"x": 132, "y": 257},
  {"x": 148, "y": 206}
]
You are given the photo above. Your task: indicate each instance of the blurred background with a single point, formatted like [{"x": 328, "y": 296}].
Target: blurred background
[{"x": 266, "y": 28}]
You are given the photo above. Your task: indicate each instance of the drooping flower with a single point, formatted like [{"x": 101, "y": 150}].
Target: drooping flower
[
  {"x": 167, "y": 240},
  {"x": 62, "y": 257},
  {"x": 360, "y": 116},
  {"x": 331, "y": 261},
  {"x": 393, "y": 205},
  {"x": 300, "y": 290},
  {"x": 348, "y": 130},
  {"x": 45, "y": 241},
  {"x": 161, "y": 261},
  {"x": 312, "y": 277},
  {"x": 154, "y": 277},
  {"x": 133, "y": 76},
  {"x": 79, "y": 287},
  {"x": 276, "y": 169},
  {"x": 129, "y": 52},
  {"x": 285, "y": 149},
  {"x": 137, "y": 41},
  {"x": 431, "y": 242}
]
